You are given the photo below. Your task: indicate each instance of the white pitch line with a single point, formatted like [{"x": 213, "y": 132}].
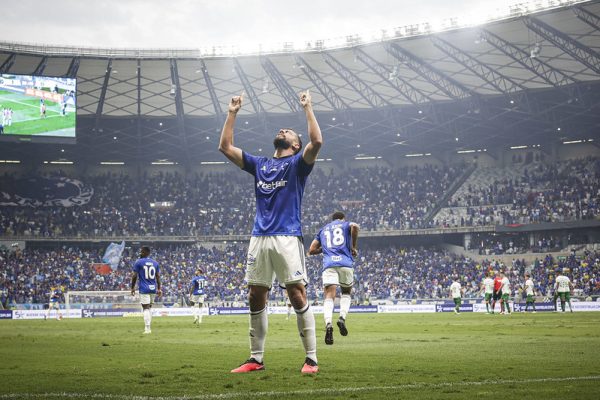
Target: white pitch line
[{"x": 324, "y": 391}]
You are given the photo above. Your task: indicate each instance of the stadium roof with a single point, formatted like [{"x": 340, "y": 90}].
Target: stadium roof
[{"x": 510, "y": 82}]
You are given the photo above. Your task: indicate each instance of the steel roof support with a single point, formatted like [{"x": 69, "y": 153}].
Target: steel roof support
[
  {"x": 289, "y": 95},
  {"x": 213, "y": 94},
  {"x": 251, "y": 94},
  {"x": 449, "y": 86},
  {"x": 500, "y": 82},
  {"x": 7, "y": 65},
  {"x": 549, "y": 74},
  {"x": 180, "y": 111},
  {"x": 373, "y": 98},
  {"x": 580, "y": 52},
  {"x": 73, "y": 68},
  {"x": 39, "y": 70},
  {"x": 588, "y": 17}
]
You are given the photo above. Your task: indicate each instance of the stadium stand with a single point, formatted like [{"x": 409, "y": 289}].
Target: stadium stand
[{"x": 381, "y": 273}]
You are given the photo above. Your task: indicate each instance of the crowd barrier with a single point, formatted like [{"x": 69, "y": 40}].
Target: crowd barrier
[{"x": 381, "y": 309}]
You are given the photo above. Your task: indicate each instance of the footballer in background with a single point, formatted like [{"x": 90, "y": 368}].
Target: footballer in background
[
  {"x": 148, "y": 272},
  {"x": 562, "y": 290},
  {"x": 456, "y": 293},
  {"x": 488, "y": 289},
  {"x": 56, "y": 295},
  {"x": 197, "y": 295}
]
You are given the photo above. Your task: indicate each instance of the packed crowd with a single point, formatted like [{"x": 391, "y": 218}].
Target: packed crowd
[
  {"x": 223, "y": 203},
  {"x": 567, "y": 190},
  {"x": 386, "y": 273},
  {"x": 494, "y": 244}
]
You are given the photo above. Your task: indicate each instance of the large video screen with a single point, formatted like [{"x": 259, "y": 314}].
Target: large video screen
[{"x": 37, "y": 108}]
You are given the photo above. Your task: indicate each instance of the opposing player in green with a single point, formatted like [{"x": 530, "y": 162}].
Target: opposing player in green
[
  {"x": 505, "y": 294},
  {"x": 562, "y": 290},
  {"x": 456, "y": 293},
  {"x": 488, "y": 289},
  {"x": 529, "y": 292}
]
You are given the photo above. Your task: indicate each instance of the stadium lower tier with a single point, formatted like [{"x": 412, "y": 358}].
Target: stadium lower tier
[{"x": 27, "y": 276}]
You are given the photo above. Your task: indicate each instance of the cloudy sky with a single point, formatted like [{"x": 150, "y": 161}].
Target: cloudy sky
[{"x": 203, "y": 23}]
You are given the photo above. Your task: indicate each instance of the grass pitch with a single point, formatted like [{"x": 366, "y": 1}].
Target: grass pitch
[
  {"x": 26, "y": 119},
  {"x": 395, "y": 356}
]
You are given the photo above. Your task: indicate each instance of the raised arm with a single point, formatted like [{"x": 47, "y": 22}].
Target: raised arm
[
  {"x": 234, "y": 154},
  {"x": 314, "y": 132}
]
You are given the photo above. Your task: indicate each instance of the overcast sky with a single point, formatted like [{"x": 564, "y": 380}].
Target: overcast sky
[{"x": 202, "y": 23}]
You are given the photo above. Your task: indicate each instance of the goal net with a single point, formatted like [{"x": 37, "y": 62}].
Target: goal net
[{"x": 101, "y": 299}]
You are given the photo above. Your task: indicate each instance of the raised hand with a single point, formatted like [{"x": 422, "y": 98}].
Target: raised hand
[
  {"x": 236, "y": 103},
  {"x": 305, "y": 99}
]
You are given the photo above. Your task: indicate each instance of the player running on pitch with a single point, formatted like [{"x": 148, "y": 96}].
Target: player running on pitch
[
  {"x": 148, "y": 272},
  {"x": 276, "y": 249},
  {"x": 197, "y": 295},
  {"x": 337, "y": 241}
]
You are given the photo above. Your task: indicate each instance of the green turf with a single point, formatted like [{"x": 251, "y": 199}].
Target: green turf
[
  {"x": 26, "y": 116},
  {"x": 385, "y": 356}
]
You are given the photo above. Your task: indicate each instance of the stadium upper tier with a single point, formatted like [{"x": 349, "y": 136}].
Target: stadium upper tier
[
  {"x": 516, "y": 78},
  {"x": 377, "y": 198}
]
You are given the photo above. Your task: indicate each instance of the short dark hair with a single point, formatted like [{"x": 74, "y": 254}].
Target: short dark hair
[
  {"x": 337, "y": 215},
  {"x": 146, "y": 249}
]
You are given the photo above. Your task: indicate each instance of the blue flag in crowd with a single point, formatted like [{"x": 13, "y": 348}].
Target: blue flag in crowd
[{"x": 113, "y": 253}]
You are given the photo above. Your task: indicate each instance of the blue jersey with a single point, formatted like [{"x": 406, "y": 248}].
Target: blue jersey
[
  {"x": 146, "y": 269},
  {"x": 55, "y": 295},
  {"x": 198, "y": 282},
  {"x": 279, "y": 187},
  {"x": 336, "y": 241}
]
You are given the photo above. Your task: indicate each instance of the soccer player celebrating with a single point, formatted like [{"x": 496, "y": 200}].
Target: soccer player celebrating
[
  {"x": 488, "y": 288},
  {"x": 505, "y": 295},
  {"x": 456, "y": 293},
  {"x": 197, "y": 295},
  {"x": 497, "y": 293},
  {"x": 337, "y": 241},
  {"x": 276, "y": 249},
  {"x": 55, "y": 296},
  {"x": 562, "y": 289},
  {"x": 148, "y": 272},
  {"x": 529, "y": 292}
]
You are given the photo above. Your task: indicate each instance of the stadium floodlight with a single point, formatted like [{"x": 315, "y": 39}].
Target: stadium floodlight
[
  {"x": 59, "y": 162},
  {"x": 466, "y": 151},
  {"x": 112, "y": 163},
  {"x": 212, "y": 162},
  {"x": 535, "y": 52},
  {"x": 365, "y": 158},
  {"x": 414, "y": 155},
  {"x": 573, "y": 141},
  {"x": 10, "y": 162},
  {"x": 517, "y": 147}
]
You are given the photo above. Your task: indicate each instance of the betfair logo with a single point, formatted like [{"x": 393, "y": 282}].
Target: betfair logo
[{"x": 270, "y": 185}]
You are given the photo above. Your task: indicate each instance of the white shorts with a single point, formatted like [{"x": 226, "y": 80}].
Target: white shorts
[
  {"x": 147, "y": 298},
  {"x": 197, "y": 298},
  {"x": 342, "y": 276},
  {"x": 271, "y": 257}
]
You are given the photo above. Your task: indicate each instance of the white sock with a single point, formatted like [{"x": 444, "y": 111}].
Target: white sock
[
  {"x": 199, "y": 313},
  {"x": 344, "y": 305},
  {"x": 306, "y": 326},
  {"x": 147, "y": 318},
  {"x": 328, "y": 310},
  {"x": 259, "y": 326},
  {"x": 289, "y": 312}
]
